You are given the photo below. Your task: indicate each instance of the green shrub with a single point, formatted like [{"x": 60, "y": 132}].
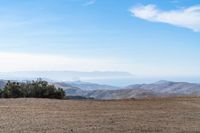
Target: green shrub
[{"x": 34, "y": 89}]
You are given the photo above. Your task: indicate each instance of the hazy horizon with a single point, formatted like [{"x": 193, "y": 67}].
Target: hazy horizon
[
  {"x": 112, "y": 78},
  {"x": 146, "y": 38}
]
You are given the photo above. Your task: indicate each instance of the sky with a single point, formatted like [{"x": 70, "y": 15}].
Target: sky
[{"x": 143, "y": 37}]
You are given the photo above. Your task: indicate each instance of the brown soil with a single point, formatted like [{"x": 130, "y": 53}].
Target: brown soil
[{"x": 167, "y": 115}]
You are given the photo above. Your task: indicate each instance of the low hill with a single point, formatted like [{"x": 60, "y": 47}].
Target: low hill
[{"x": 70, "y": 90}]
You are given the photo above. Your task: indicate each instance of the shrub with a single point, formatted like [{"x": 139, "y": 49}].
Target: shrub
[{"x": 34, "y": 89}]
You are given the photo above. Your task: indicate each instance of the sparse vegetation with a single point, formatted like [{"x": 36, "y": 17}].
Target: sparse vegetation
[
  {"x": 165, "y": 115},
  {"x": 33, "y": 89}
]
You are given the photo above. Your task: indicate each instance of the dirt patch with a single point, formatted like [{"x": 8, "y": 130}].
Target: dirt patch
[{"x": 167, "y": 115}]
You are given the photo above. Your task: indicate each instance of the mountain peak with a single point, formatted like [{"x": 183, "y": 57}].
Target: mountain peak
[{"x": 162, "y": 82}]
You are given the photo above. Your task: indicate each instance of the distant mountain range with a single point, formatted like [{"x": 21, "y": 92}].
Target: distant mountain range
[
  {"x": 98, "y": 91},
  {"x": 64, "y": 75},
  {"x": 103, "y": 77},
  {"x": 91, "y": 86},
  {"x": 158, "y": 89}
]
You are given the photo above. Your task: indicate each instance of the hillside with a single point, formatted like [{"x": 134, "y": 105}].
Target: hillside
[
  {"x": 158, "y": 89},
  {"x": 91, "y": 86},
  {"x": 169, "y": 115},
  {"x": 170, "y": 88},
  {"x": 99, "y": 91}
]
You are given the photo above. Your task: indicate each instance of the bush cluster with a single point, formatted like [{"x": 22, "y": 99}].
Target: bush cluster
[{"x": 33, "y": 89}]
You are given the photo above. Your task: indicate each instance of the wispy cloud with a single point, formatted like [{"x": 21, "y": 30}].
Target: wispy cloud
[
  {"x": 186, "y": 17},
  {"x": 35, "y": 62},
  {"x": 91, "y": 2}
]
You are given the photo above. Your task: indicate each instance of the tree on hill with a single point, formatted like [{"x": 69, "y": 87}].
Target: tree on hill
[{"x": 34, "y": 89}]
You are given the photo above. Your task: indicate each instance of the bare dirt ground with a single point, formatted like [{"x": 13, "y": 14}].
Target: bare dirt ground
[{"x": 169, "y": 115}]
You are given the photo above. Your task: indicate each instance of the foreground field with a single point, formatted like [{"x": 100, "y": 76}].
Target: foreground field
[{"x": 181, "y": 115}]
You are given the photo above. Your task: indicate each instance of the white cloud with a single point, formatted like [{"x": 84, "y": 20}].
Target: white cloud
[
  {"x": 91, "y": 2},
  {"x": 186, "y": 17},
  {"x": 37, "y": 62}
]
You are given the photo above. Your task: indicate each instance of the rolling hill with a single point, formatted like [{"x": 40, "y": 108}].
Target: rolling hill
[
  {"x": 158, "y": 89},
  {"x": 103, "y": 92}
]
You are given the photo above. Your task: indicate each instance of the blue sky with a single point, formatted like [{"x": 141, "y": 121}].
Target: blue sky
[{"x": 144, "y": 37}]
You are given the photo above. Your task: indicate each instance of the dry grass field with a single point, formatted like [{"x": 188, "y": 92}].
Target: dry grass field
[{"x": 168, "y": 115}]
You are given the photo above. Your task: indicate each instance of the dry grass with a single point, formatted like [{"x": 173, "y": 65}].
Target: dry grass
[{"x": 172, "y": 115}]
